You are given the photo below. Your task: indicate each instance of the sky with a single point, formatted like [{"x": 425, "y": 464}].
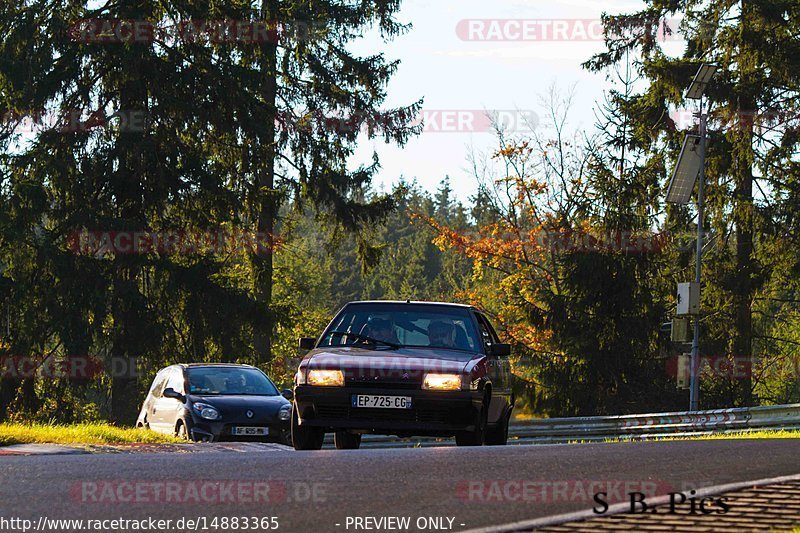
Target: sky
[{"x": 467, "y": 56}]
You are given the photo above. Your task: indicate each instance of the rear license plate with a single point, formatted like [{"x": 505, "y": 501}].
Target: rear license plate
[
  {"x": 381, "y": 402},
  {"x": 245, "y": 431}
]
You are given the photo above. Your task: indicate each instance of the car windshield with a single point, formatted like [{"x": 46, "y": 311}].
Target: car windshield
[
  {"x": 394, "y": 325},
  {"x": 229, "y": 380}
]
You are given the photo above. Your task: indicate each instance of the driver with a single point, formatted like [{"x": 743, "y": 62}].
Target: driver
[
  {"x": 442, "y": 333},
  {"x": 237, "y": 383},
  {"x": 381, "y": 329}
]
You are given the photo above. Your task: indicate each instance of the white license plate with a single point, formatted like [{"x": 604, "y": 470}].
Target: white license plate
[
  {"x": 244, "y": 431},
  {"x": 381, "y": 402}
]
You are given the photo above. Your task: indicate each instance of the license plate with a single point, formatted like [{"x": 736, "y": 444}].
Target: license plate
[
  {"x": 381, "y": 402},
  {"x": 245, "y": 431}
]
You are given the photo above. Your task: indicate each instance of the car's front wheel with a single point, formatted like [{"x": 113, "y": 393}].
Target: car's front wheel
[
  {"x": 498, "y": 436},
  {"x": 476, "y": 437},
  {"x": 305, "y": 437},
  {"x": 344, "y": 440},
  {"x": 181, "y": 432}
]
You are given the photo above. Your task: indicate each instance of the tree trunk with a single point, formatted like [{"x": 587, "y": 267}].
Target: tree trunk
[
  {"x": 130, "y": 333},
  {"x": 742, "y": 342},
  {"x": 8, "y": 389},
  {"x": 265, "y": 200},
  {"x": 743, "y": 214},
  {"x": 124, "y": 392}
]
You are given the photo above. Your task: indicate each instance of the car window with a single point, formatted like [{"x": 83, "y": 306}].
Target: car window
[
  {"x": 216, "y": 380},
  {"x": 175, "y": 380},
  {"x": 488, "y": 334},
  {"x": 412, "y": 325},
  {"x": 158, "y": 384}
]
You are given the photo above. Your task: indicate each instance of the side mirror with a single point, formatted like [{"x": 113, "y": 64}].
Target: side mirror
[
  {"x": 288, "y": 394},
  {"x": 307, "y": 343},
  {"x": 169, "y": 392},
  {"x": 500, "y": 350}
]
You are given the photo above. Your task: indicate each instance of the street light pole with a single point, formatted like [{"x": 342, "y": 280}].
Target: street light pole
[
  {"x": 690, "y": 166},
  {"x": 694, "y": 367}
]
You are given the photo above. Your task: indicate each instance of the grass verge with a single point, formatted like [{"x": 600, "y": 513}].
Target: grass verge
[
  {"x": 95, "y": 433},
  {"x": 762, "y": 434}
]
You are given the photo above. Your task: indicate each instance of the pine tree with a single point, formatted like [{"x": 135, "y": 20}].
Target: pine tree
[
  {"x": 307, "y": 100},
  {"x": 754, "y": 43},
  {"x": 229, "y": 129}
]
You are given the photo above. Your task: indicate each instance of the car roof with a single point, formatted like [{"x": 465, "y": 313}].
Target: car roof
[
  {"x": 190, "y": 365},
  {"x": 196, "y": 365},
  {"x": 403, "y": 302}
]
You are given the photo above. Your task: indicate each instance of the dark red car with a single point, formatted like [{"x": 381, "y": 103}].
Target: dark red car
[{"x": 403, "y": 368}]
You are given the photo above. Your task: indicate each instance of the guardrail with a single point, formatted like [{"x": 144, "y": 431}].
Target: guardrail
[{"x": 641, "y": 426}]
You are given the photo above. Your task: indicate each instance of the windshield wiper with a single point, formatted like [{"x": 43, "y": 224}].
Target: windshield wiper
[{"x": 366, "y": 339}]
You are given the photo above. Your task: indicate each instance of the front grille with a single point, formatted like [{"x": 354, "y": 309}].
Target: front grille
[
  {"x": 423, "y": 413},
  {"x": 405, "y": 415},
  {"x": 436, "y": 415},
  {"x": 396, "y": 385},
  {"x": 332, "y": 411}
]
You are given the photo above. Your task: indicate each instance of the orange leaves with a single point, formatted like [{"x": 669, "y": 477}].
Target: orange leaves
[
  {"x": 510, "y": 151},
  {"x": 514, "y": 268},
  {"x": 445, "y": 237},
  {"x": 533, "y": 338},
  {"x": 523, "y": 186},
  {"x": 499, "y": 245},
  {"x": 520, "y": 274}
]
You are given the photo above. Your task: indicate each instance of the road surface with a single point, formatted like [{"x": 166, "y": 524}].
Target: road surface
[{"x": 437, "y": 489}]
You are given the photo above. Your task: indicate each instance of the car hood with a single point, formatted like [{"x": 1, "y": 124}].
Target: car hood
[
  {"x": 403, "y": 363},
  {"x": 230, "y": 404}
]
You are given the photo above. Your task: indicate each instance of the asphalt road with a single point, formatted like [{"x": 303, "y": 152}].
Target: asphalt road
[{"x": 315, "y": 491}]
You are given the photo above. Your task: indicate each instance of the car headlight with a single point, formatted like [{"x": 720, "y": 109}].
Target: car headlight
[
  {"x": 326, "y": 378},
  {"x": 285, "y": 413},
  {"x": 209, "y": 412},
  {"x": 442, "y": 382}
]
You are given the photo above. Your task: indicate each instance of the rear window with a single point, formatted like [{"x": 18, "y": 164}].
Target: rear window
[{"x": 411, "y": 325}]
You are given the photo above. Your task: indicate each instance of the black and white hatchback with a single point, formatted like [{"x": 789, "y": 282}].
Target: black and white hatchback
[{"x": 212, "y": 402}]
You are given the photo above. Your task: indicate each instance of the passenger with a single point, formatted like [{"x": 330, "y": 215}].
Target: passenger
[{"x": 442, "y": 333}]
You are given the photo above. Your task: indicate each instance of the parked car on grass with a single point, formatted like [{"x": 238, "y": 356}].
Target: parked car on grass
[
  {"x": 403, "y": 368},
  {"x": 213, "y": 402}
]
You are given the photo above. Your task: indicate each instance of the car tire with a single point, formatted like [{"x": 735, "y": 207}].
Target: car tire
[
  {"x": 181, "y": 431},
  {"x": 305, "y": 438},
  {"x": 477, "y": 437},
  {"x": 344, "y": 440},
  {"x": 498, "y": 436},
  {"x": 286, "y": 437}
]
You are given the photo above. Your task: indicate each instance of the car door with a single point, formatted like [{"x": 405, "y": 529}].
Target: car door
[
  {"x": 151, "y": 405},
  {"x": 169, "y": 409},
  {"x": 499, "y": 370}
]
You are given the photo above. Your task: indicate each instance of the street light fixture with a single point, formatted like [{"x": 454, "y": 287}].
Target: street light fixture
[{"x": 690, "y": 166}]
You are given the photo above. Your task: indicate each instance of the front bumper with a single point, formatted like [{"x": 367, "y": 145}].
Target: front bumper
[
  {"x": 433, "y": 413},
  {"x": 202, "y": 429}
]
